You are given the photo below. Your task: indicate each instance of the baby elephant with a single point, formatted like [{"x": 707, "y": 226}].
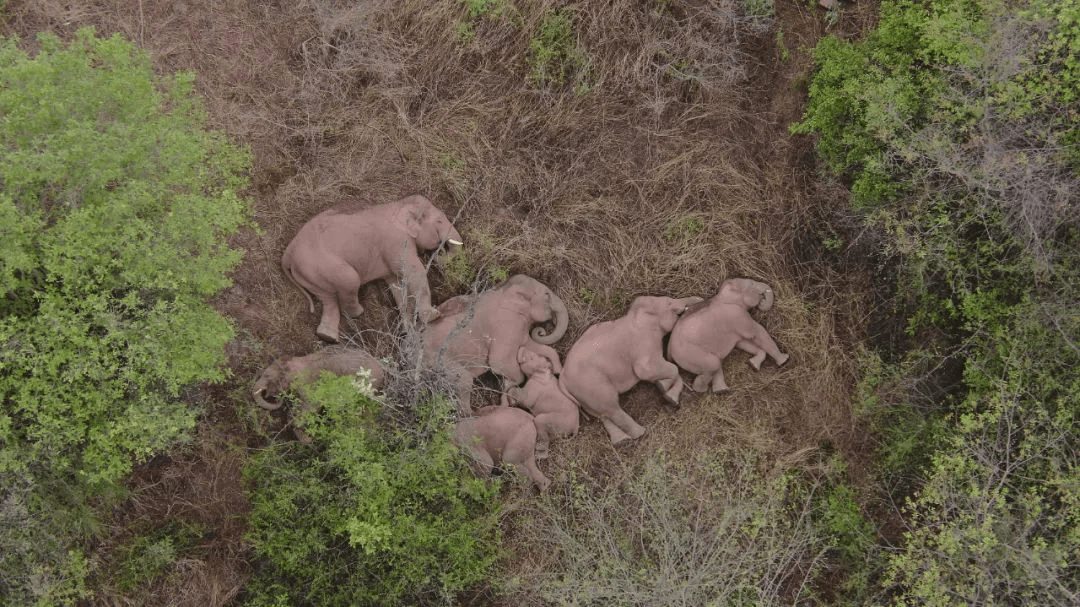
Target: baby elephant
[
  {"x": 704, "y": 336},
  {"x": 501, "y": 434},
  {"x": 339, "y": 360},
  {"x": 554, "y": 413}
]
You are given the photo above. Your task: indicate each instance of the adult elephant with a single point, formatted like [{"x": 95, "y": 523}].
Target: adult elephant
[
  {"x": 341, "y": 249},
  {"x": 612, "y": 356},
  {"x": 481, "y": 332},
  {"x": 705, "y": 336}
]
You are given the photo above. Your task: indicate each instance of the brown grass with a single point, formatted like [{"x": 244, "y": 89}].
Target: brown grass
[{"x": 671, "y": 173}]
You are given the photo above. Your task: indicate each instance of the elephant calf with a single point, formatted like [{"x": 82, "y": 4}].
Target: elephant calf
[
  {"x": 612, "y": 356},
  {"x": 283, "y": 373},
  {"x": 554, "y": 413},
  {"x": 501, "y": 434},
  {"x": 705, "y": 336}
]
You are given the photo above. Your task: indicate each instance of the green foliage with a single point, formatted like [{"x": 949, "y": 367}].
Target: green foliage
[
  {"x": 486, "y": 8},
  {"x": 372, "y": 513},
  {"x": 554, "y": 57},
  {"x": 718, "y": 531},
  {"x": 114, "y": 213},
  {"x": 759, "y": 8},
  {"x": 955, "y": 123},
  {"x": 146, "y": 557}
]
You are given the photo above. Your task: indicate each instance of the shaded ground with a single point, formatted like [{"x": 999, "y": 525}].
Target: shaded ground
[{"x": 662, "y": 166}]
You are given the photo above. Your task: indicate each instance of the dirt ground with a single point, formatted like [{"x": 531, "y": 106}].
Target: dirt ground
[{"x": 662, "y": 166}]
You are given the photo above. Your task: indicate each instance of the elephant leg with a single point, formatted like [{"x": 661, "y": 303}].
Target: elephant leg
[
  {"x": 529, "y": 469},
  {"x": 463, "y": 382},
  {"x": 543, "y": 434},
  {"x": 503, "y": 360},
  {"x": 718, "y": 384},
  {"x": 416, "y": 289},
  {"x": 757, "y": 355},
  {"x": 763, "y": 340},
  {"x": 520, "y": 451},
  {"x": 663, "y": 373},
  {"x": 331, "y": 316},
  {"x": 482, "y": 461}
]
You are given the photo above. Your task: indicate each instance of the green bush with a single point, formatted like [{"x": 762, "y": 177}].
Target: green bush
[
  {"x": 373, "y": 512},
  {"x": 114, "y": 210},
  {"x": 955, "y": 122}
]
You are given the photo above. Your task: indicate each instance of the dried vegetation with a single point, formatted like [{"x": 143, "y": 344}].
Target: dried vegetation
[{"x": 659, "y": 164}]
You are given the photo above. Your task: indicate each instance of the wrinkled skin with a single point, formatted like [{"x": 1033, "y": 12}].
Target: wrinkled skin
[
  {"x": 481, "y": 332},
  {"x": 292, "y": 372},
  {"x": 704, "y": 336},
  {"x": 554, "y": 413},
  {"x": 339, "y": 250},
  {"x": 612, "y": 356},
  {"x": 501, "y": 435}
]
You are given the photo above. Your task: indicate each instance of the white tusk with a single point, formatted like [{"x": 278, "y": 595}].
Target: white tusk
[{"x": 454, "y": 242}]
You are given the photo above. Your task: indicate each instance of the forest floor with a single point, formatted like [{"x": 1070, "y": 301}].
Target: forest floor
[{"x": 660, "y": 165}]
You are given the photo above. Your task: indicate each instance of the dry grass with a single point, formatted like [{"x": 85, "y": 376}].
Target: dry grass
[{"x": 661, "y": 167}]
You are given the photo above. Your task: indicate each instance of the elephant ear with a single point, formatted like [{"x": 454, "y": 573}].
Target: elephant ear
[{"x": 408, "y": 219}]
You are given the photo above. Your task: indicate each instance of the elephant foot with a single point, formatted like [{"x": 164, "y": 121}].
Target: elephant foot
[
  {"x": 542, "y": 451},
  {"x": 701, "y": 383},
  {"x": 327, "y": 332},
  {"x": 783, "y": 359},
  {"x": 756, "y": 360},
  {"x": 720, "y": 387},
  {"x": 353, "y": 310}
]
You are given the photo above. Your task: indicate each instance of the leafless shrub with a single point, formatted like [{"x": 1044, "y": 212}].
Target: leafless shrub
[{"x": 719, "y": 531}]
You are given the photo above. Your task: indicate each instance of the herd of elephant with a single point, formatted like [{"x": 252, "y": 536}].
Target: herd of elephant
[{"x": 502, "y": 330}]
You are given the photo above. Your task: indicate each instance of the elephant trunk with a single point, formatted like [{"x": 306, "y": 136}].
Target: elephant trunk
[
  {"x": 767, "y": 296},
  {"x": 561, "y": 318},
  {"x": 259, "y": 394}
]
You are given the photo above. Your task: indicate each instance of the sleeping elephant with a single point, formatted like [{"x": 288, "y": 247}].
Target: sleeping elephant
[
  {"x": 340, "y": 249},
  {"x": 703, "y": 337},
  {"x": 612, "y": 356},
  {"x": 295, "y": 371},
  {"x": 481, "y": 332},
  {"x": 554, "y": 413},
  {"x": 501, "y": 434}
]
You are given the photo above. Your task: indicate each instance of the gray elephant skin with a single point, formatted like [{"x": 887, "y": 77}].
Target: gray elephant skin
[
  {"x": 293, "y": 372},
  {"x": 477, "y": 333},
  {"x": 704, "y": 336},
  {"x": 343, "y": 248},
  {"x": 612, "y": 356},
  {"x": 501, "y": 435},
  {"x": 554, "y": 413}
]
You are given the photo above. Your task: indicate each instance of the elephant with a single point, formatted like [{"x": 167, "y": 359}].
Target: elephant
[
  {"x": 703, "y": 337},
  {"x": 342, "y": 248},
  {"x": 284, "y": 373},
  {"x": 480, "y": 332},
  {"x": 501, "y": 434},
  {"x": 612, "y": 356},
  {"x": 554, "y": 413}
]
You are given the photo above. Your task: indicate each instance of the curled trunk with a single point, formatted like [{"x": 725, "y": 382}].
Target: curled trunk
[{"x": 559, "y": 316}]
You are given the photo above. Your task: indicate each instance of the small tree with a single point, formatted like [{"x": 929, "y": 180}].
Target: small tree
[{"x": 115, "y": 204}]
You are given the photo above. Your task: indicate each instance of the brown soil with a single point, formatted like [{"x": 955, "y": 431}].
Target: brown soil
[{"x": 683, "y": 123}]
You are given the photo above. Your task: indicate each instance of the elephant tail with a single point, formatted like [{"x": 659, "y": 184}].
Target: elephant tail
[
  {"x": 566, "y": 391},
  {"x": 287, "y": 268}
]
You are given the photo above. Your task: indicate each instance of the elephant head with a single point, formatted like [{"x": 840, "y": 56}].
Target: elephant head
[
  {"x": 746, "y": 293},
  {"x": 544, "y": 306},
  {"x": 272, "y": 381},
  {"x": 426, "y": 225},
  {"x": 664, "y": 311}
]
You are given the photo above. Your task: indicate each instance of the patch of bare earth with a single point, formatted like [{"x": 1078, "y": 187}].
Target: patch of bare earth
[{"x": 663, "y": 166}]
